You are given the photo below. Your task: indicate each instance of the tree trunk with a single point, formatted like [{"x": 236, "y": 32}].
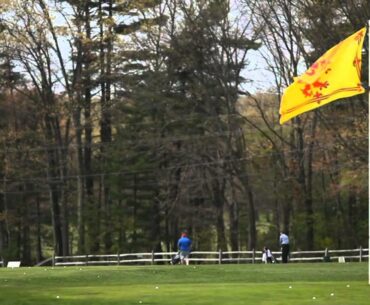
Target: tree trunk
[
  {"x": 252, "y": 232},
  {"x": 39, "y": 255},
  {"x": 53, "y": 182},
  {"x": 287, "y": 212},
  {"x": 122, "y": 233},
  {"x": 155, "y": 228},
  {"x": 305, "y": 179},
  {"x": 80, "y": 160},
  {"x": 6, "y": 235},
  {"x": 352, "y": 241},
  {"x": 105, "y": 124},
  {"x": 62, "y": 156},
  {"x": 308, "y": 199},
  {"x": 218, "y": 193},
  {"x": 56, "y": 223},
  {"x": 134, "y": 214},
  {"x": 25, "y": 224},
  {"x": 234, "y": 225},
  {"x": 171, "y": 219}
]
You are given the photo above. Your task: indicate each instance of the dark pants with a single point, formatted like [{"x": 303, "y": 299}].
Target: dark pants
[{"x": 285, "y": 253}]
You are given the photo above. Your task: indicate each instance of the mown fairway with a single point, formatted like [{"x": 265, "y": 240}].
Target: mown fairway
[{"x": 292, "y": 284}]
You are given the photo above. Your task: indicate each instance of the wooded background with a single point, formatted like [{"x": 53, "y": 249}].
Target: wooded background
[{"x": 124, "y": 122}]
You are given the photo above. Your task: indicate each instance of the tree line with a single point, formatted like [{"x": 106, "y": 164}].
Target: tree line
[{"x": 124, "y": 122}]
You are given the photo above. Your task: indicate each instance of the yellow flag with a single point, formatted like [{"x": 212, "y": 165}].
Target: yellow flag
[{"x": 334, "y": 75}]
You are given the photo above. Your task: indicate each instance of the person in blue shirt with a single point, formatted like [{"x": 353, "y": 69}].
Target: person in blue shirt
[
  {"x": 284, "y": 242},
  {"x": 184, "y": 247}
]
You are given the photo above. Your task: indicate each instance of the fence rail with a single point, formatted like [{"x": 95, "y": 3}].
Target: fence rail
[{"x": 220, "y": 257}]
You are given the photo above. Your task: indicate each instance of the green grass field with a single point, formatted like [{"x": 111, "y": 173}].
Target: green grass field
[{"x": 291, "y": 284}]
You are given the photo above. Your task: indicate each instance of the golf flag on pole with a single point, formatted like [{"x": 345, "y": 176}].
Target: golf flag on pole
[{"x": 335, "y": 75}]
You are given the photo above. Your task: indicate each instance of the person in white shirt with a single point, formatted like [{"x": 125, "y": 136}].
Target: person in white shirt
[{"x": 267, "y": 256}]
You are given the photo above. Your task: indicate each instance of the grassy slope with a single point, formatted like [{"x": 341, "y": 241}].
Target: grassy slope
[{"x": 193, "y": 285}]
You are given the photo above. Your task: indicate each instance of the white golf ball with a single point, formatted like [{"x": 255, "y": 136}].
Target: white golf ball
[
  {"x": 57, "y": 296},
  {"x": 332, "y": 294},
  {"x": 313, "y": 298},
  {"x": 348, "y": 286},
  {"x": 156, "y": 287},
  {"x": 290, "y": 287}
]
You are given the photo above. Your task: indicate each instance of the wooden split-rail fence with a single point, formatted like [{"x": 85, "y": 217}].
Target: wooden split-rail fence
[{"x": 202, "y": 257}]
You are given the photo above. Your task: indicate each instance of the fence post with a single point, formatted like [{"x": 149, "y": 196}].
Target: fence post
[
  {"x": 220, "y": 256},
  {"x": 326, "y": 257},
  {"x": 53, "y": 260},
  {"x": 87, "y": 260},
  {"x": 253, "y": 256},
  {"x": 360, "y": 254},
  {"x": 118, "y": 259},
  {"x": 152, "y": 257}
]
